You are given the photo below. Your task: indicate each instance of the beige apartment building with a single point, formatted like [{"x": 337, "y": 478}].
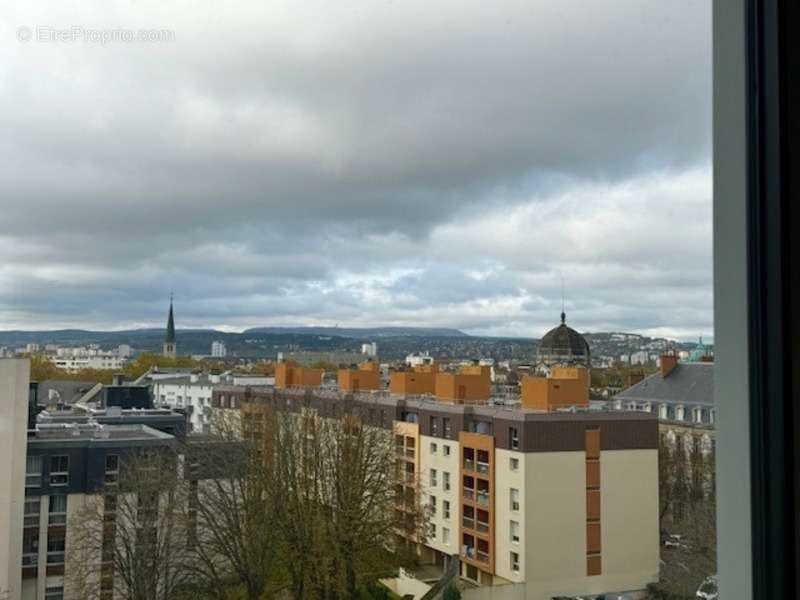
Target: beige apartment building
[{"x": 533, "y": 503}]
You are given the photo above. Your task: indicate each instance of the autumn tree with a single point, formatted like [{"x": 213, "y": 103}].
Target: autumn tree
[{"x": 334, "y": 488}]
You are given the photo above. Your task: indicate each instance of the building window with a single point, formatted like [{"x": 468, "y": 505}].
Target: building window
[
  {"x": 446, "y": 450},
  {"x": 59, "y": 470},
  {"x": 54, "y": 592},
  {"x": 513, "y": 464},
  {"x": 33, "y": 471},
  {"x": 434, "y": 426},
  {"x": 514, "y": 500},
  {"x": 446, "y": 481},
  {"x": 30, "y": 550},
  {"x": 515, "y": 562},
  {"x": 58, "y": 510},
  {"x": 433, "y": 477},
  {"x": 433, "y": 448},
  {"x": 432, "y": 504},
  {"x": 513, "y": 438},
  {"x": 112, "y": 469},
  {"x": 446, "y": 426},
  {"x": 514, "y": 528},
  {"x": 446, "y": 509},
  {"x": 445, "y": 535},
  {"x": 32, "y": 511},
  {"x": 433, "y": 531},
  {"x": 55, "y": 548}
]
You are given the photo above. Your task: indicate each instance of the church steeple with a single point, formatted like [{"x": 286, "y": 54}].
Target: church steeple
[{"x": 169, "y": 340}]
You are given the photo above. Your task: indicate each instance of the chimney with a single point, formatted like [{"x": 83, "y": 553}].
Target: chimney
[{"x": 669, "y": 361}]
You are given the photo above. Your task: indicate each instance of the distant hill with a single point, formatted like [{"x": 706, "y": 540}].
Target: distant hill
[{"x": 361, "y": 333}]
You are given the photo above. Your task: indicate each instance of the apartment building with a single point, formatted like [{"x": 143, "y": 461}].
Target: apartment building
[
  {"x": 533, "y": 503},
  {"x": 65, "y": 465},
  {"x": 681, "y": 394},
  {"x": 191, "y": 394}
]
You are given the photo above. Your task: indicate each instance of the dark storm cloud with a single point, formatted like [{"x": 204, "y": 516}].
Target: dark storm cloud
[{"x": 364, "y": 163}]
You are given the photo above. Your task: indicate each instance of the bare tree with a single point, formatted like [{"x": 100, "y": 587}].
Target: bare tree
[
  {"x": 688, "y": 514},
  {"x": 129, "y": 538},
  {"x": 231, "y": 521}
]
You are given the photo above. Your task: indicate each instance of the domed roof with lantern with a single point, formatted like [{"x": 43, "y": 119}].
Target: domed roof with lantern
[{"x": 563, "y": 346}]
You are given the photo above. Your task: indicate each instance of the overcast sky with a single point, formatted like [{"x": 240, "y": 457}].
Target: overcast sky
[{"x": 402, "y": 162}]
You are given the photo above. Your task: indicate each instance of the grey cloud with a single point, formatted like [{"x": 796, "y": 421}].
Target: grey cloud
[{"x": 360, "y": 163}]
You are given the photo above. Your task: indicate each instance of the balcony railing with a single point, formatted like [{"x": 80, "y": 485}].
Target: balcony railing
[
  {"x": 469, "y": 493},
  {"x": 30, "y": 560},
  {"x": 468, "y": 523},
  {"x": 482, "y": 556},
  {"x": 468, "y": 551},
  {"x": 483, "y": 498},
  {"x": 483, "y": 527},
  {"x": 55, "y": 558},
  {"x": 409, "y": 478},
  {"x": 469, "y": 464},
  {"x": 403, "y": 452},
  {"x": 483, "y": 468}
]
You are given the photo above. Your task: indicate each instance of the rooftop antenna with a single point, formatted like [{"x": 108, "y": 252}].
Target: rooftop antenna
[{"x": 563, "y": 313}]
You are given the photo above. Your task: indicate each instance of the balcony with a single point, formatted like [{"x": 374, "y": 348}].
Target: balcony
[
  {"x": 469, "y": 494},
  {"x": 410, "y": 478},
  {"x": 482, "y": 527},
  {"x": 468, "y": 551},
  {"x": 482, "y": 556},
  {"x": 483, "y": 468},
  {"x": 468, "y": 522},
  {"x": 403, "y": 452},
  {"x": 483, "y": 498},
  {"x": 469, "y": 464},
  {"x": 30, "y": 560}
]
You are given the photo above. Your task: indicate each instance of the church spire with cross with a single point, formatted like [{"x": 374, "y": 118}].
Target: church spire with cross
[{"x": 169, "y": 340}]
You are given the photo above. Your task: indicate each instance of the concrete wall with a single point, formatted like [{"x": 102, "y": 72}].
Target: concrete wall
[
  {"x": 14, "y": 382},
  {"x": 442, "y": 464},
  {"x": 553, "y": 522},
  {"x": 505, "y": 479}
]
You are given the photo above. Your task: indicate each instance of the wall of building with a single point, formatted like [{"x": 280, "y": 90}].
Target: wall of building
[
  {"x": 410, "y": 383},
  {"x": 505, "y": 480},
  {"x": 461, "y": 387},
  {"x": 564, "y": 387},
  {"x": 14, "y": 382},
  {"x": 443, "y": 463},
  {"x": 366, "y": 377},
  {"x": 289, "y": 374}
]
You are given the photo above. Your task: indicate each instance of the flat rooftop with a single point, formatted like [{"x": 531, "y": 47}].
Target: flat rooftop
[{"x": 95, "y": 433}]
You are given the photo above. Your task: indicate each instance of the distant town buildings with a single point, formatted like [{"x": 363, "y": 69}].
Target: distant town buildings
[
  {"x": 415, "y": 360},
  {"x": 218, "y": 349},
  {"x": 370, "y": 349},
  {"x": 74, "y": 359}
]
